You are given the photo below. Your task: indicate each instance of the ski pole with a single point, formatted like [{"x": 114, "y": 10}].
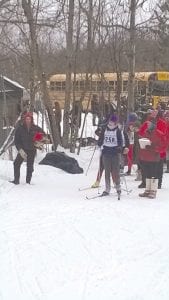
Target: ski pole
[{"x": 90, "y": 161}]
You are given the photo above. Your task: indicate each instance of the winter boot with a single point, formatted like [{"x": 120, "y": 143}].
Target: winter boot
[
  {"x": 167, "y": 171},
  {"x": 153, "y": 188},
  {"x": 139, "y": 176},
  {"x": 96, "y": 184},
  {"x": 28, "y": 178},
  {"x": 14, "y": 181},
  {"x": 142, "y": 185},
  {"x": 128, "y": 173},
  {"x": 148, "y": 188},
  {"x": 105, "y": 193}
]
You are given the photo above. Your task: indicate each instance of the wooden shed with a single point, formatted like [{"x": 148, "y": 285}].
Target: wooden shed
[{"x": 11, "y": 95}]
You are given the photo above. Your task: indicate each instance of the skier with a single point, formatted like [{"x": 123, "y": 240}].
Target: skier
[
  {"x": 111, "y": 142},
  {"x": 25, "y": 137},
  {"x": 125, "y": 149}
]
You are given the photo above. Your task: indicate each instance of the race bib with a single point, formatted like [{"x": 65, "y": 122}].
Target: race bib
[{"x": 110, "y": 138}]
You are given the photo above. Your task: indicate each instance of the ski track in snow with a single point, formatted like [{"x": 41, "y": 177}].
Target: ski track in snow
[{"x": 56, "y": 245}]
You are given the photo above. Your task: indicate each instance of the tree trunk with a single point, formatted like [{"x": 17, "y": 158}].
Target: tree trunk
[
  {"x": 131, "y": 79},
  {"x": 66, "y": 127},
  {"x": 37, "y": 73}
]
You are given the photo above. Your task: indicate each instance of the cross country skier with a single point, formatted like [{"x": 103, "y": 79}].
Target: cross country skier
[
  {"x": 110, "y": 140},
  {"x": 125, "y": 147}
]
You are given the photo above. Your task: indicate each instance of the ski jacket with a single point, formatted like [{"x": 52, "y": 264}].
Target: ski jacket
[
  {"x": 110, "y": 140},
  {"x": 158, "y": 141},
  {"x": 167, "y": 135},
  {"x": 24, "y": 137}
]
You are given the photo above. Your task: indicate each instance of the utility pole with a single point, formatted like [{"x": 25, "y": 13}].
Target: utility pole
[{"x": 131, "y": 79}]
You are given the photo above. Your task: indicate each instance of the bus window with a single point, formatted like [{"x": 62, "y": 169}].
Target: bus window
[
  {"x": 82, "y": 85},
  {"x": 111, "y": 86},
  {"x": 58, "y": 86},
  {"x": 141, "y": 88},
  {"x": 94, "y": 85},
  {"x": 99, "y": 86},
  {"x": 160, "y": 88},
  {"x": 63, "y": 85},
  {"x": 52, "y": 85}
]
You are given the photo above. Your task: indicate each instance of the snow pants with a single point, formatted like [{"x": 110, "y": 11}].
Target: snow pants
[
  {"x": 112, "y": 167},
  {"x": 130, "y": 157},
  {"x": 150, "y": 169},
  {"x": 17, "y": 165}
]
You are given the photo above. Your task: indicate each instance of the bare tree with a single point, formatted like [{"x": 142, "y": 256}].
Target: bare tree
[
  {"x": 37, "y": 70},
  {"x": 66, "y": 128}
]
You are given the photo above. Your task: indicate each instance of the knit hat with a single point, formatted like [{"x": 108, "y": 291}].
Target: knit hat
[
  {"x": 113, "y": 118},
  {"x": 28, "y": 115},
  {"x": 132, "y": 118}
]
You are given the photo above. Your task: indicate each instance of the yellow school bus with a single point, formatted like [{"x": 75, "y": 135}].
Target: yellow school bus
[
  {"x": 158, "y": 88},
  {"x": 104, "y": 86}
]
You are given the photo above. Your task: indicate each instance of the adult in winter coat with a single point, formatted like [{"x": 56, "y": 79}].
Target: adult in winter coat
[
  {"x": 110, "y": 141},
  {"x": 166, "y": 117},
  {"x": 25, "y": 137},
  {"x": 155, "y": 131}
]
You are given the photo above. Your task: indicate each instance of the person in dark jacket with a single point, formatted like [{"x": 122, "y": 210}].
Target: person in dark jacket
[
  {"x": 110, "y": 140},
  {"x": 25, "y": 144}
]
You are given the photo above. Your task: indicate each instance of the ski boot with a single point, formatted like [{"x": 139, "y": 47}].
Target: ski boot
[{"x": 96, "y": 184}]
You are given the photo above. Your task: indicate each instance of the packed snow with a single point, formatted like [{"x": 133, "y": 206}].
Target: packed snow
[{"x": 55, "y": 244}]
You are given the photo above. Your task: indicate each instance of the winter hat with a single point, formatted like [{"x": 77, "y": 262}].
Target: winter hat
[
  {"x": 132, "y": 118},
  {"x": 28, "y": 115},
  {"x": 113, "y": 118}
]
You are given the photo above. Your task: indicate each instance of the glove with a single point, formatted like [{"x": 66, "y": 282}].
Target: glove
[
  {"x": 22, "y": 154},
  {"x": 39, "y": 145},
  {"x": 148, "y": 147}
]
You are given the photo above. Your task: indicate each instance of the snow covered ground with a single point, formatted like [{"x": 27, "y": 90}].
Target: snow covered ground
[{"x": 56, "y": 245}]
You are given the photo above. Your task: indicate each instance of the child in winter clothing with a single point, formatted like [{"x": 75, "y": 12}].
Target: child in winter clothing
[
  {"x": 125, "y": 147},
  {"x": 111, "y": 142},
  {"x": 132, "y": 118}
]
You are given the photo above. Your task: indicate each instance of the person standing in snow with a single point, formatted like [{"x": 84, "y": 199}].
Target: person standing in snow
[
  {"x": 26, "y": 135},
  {"x": 132, "y": 118},
  {"x": 110, "y": 140},
  {"x": 166, "y": 117},
  {"x": 155, "y": 131}
]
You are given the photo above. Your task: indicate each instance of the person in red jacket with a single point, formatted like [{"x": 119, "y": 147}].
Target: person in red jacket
[
  {"x": 155, "y": 131},
  {"x": 166, "y": 117}
]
